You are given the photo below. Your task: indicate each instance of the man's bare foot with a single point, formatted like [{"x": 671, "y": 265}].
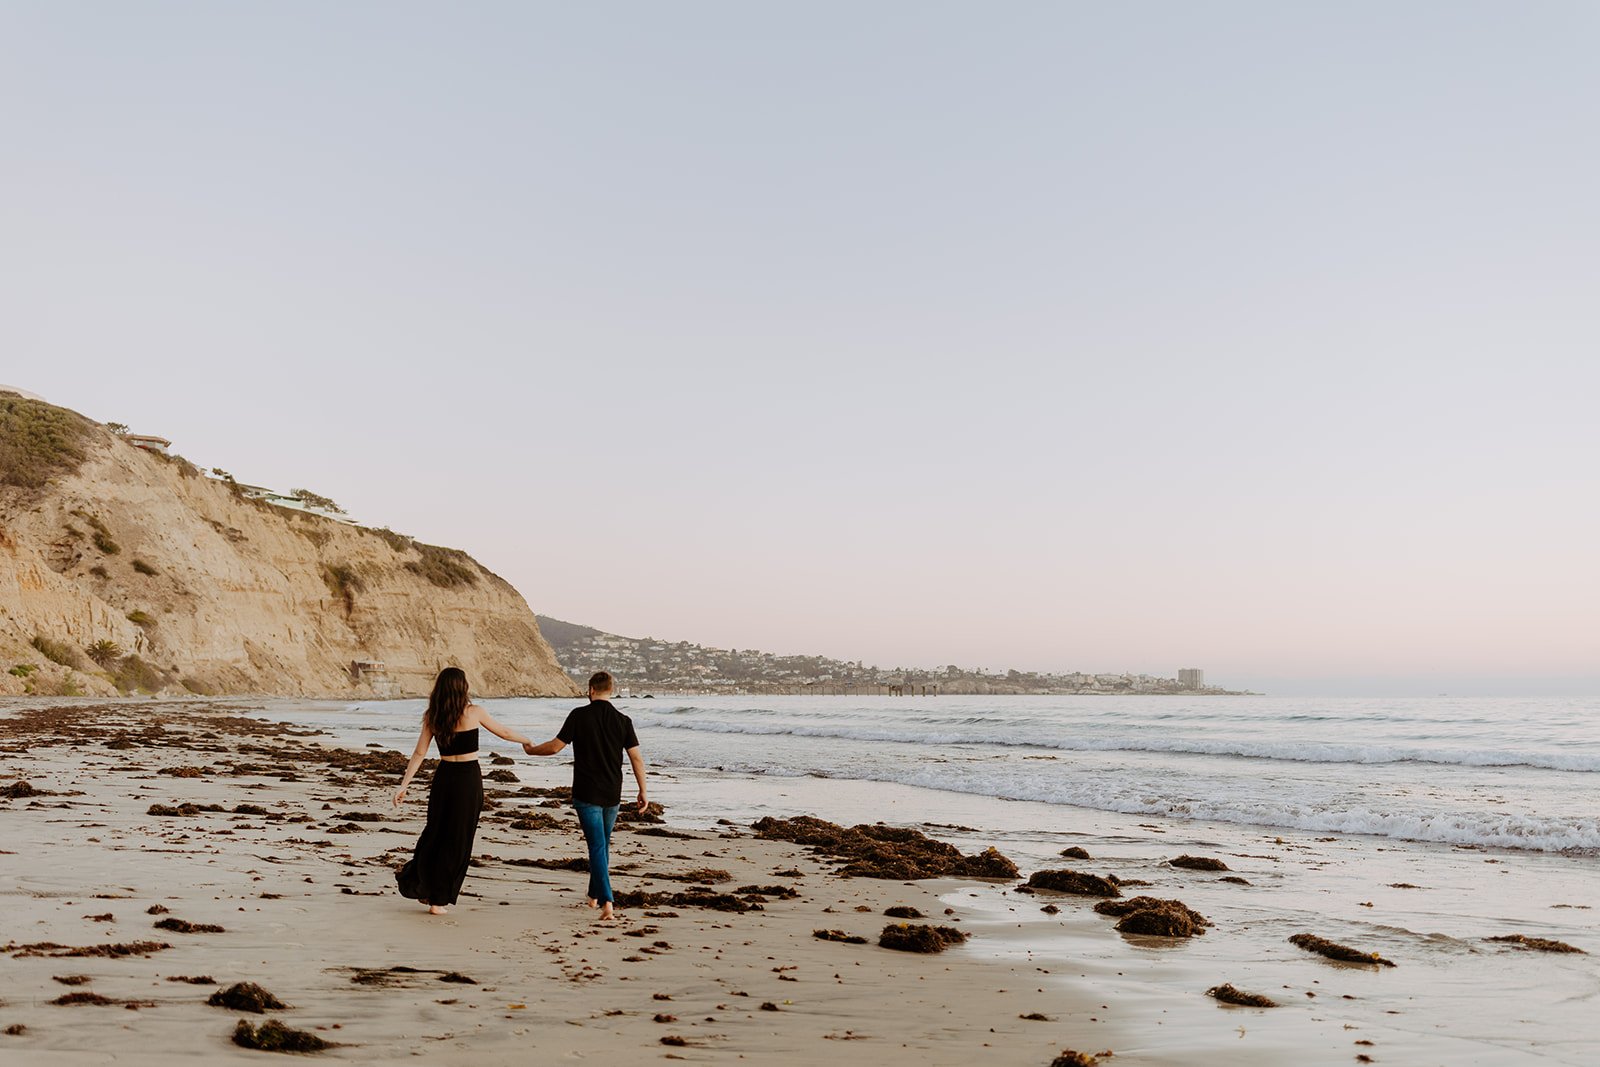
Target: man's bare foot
[{"x": 434, "y": 909}]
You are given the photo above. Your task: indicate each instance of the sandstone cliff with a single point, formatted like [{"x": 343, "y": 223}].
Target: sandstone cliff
[{"x": 123, "y": 570}]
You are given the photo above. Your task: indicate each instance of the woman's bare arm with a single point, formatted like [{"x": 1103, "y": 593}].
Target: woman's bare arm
[
  {"x": 488, "y": 723},
  {"x": 424, "y": 739}
]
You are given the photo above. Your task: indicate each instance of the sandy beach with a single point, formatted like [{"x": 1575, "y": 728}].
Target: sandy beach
[{"x": 137, "y": 813}]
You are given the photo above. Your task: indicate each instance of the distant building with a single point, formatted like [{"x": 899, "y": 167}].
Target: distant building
[
  {"x": 1192, "y": 678},
  {"x": 253, "y": 492},
  {"x": 147, "y": 442}
]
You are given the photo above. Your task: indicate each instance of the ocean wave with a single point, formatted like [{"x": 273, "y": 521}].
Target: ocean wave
[
  {"x": 1490, "y": 829},
  {"x": 1290, "y": 751}
]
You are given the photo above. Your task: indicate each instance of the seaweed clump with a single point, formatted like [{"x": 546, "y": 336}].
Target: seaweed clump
[
  {"x": 1075, "y": 853},
  {"x": 184, "y": 926},
  {"x": 1198, "y": 863},
  {"x": 577, "y": 864},
  {"x": 245, "y": 996},
  {"x": 82, "y": 997},
  {"x": 1073, "y": 1058},
  {"x": 1154, "y": 917},
  {"x": 185, "y": 808},
  {"x": 52, "y": 950},
  {"x": 273, "y": 1036},
  {"x": 838, "y": 935},
  {"x": 1064, "y": 881},
  {"x": 912, "y": 937},
  {"x": 879, "y": 851},
  {"x": 782, "y": 892},
  {"x": 1335, "y": 951},
  {"x": 695, "y": 897},
  {"x": 1227, "y": 994},
  {"x": 1536, "y": 944},
  {"x": 903, "y": 911}
]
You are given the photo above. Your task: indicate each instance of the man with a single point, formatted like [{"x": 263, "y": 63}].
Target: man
[{"x": 599, "y": 735}]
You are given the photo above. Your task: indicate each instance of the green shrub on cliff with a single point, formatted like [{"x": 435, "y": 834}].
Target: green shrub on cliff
[
  {"x": 103, "y": 651},
  {"x": 38, "y": 441},
  {"x": 57, "y": 651},
  {"x": 444, "y": 567},
  {"x": 132, "y": 674}
]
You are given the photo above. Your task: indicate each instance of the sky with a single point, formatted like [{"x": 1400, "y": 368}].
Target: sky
[{"x": 1255, "y": 337}]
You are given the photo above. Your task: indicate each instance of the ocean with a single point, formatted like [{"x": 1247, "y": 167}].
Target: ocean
[{"x": 1519, "y": 774}]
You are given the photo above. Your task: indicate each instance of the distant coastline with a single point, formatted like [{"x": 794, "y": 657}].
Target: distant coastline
[{"x": 647, "y": 665}]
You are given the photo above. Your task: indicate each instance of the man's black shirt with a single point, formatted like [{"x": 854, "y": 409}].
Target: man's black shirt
[{"x": 599, "y": 735}]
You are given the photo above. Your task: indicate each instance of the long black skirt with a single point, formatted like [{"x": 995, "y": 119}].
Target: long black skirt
[{"x": 439, "y": 865}]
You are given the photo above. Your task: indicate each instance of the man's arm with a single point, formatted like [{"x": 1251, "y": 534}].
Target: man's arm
[
  {"x": 549, "y": 748},
  {"x": 637, "y": 760}
]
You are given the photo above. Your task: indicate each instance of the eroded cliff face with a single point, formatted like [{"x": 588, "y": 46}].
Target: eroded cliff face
[{"x": 203, "y": 590}]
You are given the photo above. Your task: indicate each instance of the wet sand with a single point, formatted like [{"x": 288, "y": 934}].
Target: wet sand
[{"x": 287, "y": 843}]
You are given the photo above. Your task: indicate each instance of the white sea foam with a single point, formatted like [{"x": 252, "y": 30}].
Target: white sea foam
[
  {"x": 1277, "y": 807},
  {"x": 1294, "y": 751}
]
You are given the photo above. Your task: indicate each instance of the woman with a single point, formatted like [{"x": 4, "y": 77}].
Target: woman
[{"x": 438, "y": 867}]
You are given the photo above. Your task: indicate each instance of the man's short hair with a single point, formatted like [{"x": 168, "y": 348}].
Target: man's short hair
[{"x": 601, "y": 682}]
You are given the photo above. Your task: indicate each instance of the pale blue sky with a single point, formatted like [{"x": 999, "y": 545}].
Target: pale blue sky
[{"x": 1251, "y": 336}]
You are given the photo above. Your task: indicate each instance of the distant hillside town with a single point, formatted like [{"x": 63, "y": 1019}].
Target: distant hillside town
[{"x": 646, "y": 665}]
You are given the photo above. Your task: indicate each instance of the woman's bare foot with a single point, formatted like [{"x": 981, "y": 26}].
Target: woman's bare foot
[
  {"x": 607, "y": 914},
  {"x": 591, "y": 903},
  {"x": 434, "y": 909}
]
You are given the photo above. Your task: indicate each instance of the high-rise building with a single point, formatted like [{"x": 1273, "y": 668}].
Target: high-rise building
[{"x": 1192, "y": 678}]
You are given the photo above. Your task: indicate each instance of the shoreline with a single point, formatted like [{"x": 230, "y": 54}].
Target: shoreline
[{"x": 1098, "y": 990}]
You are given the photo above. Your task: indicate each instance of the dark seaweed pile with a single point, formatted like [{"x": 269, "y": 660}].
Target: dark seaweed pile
[
  {"x": 1227, "y": 994},
  {"x": 1335, "y": 951},
  {"x": 1064, "y": 881},
  {"x": 914, "y": 937},
  {"x": 878, "y": 851},
  {"x": 1155, "y": 917}
]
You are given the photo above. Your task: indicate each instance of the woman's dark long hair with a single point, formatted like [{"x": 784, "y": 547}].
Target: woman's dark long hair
[{"x": 447, "y": 703}]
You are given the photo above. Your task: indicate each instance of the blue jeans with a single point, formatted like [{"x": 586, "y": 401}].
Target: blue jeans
[{"x": 597, "y": 822}]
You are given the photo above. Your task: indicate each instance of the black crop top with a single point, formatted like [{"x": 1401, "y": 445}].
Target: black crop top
[{"x": 463, "y": 743}]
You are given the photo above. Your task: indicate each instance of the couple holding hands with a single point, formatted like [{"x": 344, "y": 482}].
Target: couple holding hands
[{"x": 600, "y": 736}]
